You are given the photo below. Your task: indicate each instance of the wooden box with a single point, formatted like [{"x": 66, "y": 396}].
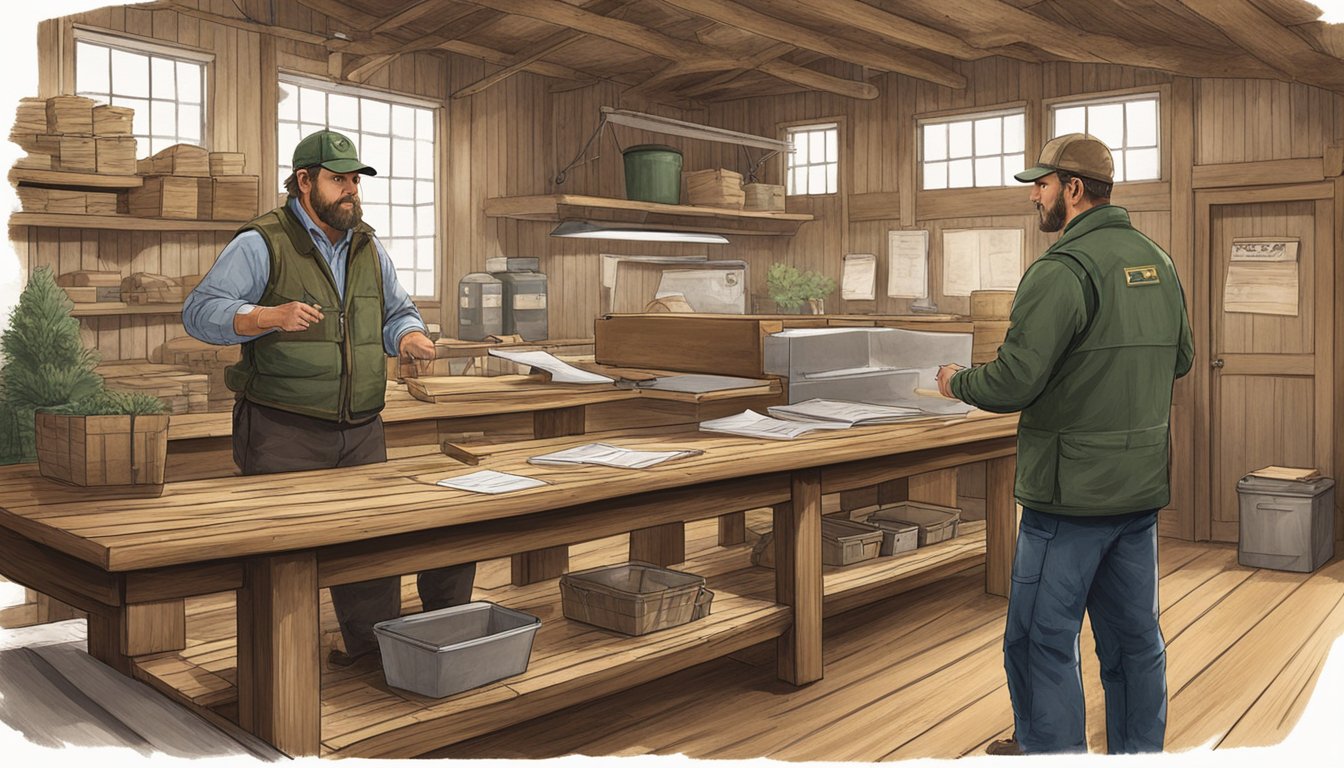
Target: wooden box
[
  {"x": 102, "y": 450},
  {"x": 763, "y": 197},
  {"x": 177, "y": 160},
  {"x": 991, "y": 305},
  {"x": 727, "y": 345},
  {"x": 233, "y": 198},
  {"x": 84, "y": 295},
  {"x": 87, "y": 277},
  {"x": 70, "y": 115},
  {"x": 227, "y": 163},
  {"x": 116, "y": 154},
  {"x": 181, "y": 390},
  {"x": 986, "y": 339},
  {"x": 100, "y": 203},
  {"x": 30, "y": 117},
  {"x": 33, "y": 199},
  {"x": 78, "y": 154},
  {"x": 169, "y": 197},
  {"x": 112, "y": 121},
  {"x": 148, "y": 288},
  {"x": 66, "y": 201},
  {"x": 717, "y": 188}
]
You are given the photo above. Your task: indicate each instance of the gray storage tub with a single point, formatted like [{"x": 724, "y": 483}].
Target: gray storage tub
[
  {"x": 936, "y": 523},
  {"x": 1286, "y": 525},
  {"x": 844, "y": 542},
  {"x": 440, "y": 653},
  {"x": 897, "y": 537}
]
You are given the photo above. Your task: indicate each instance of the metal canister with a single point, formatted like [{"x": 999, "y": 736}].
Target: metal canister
[{"x": 480, "y": 307}]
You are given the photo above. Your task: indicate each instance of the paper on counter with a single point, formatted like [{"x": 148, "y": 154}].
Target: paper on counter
[
  {"x": 490, "y": 481},
  {"x": 607, "y": 455},
  {"x": 844, "y": 412},
  {"x": 561, "y": 372},
  {"x": 752, "y": 424},
  {"x": 700, "y": 383}
]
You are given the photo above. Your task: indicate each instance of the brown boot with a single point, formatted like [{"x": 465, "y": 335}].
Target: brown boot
[{"x": 1008, "y": 746}]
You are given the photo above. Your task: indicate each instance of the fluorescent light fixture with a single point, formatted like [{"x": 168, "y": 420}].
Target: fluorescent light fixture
[{"x": 584, "y": 229}]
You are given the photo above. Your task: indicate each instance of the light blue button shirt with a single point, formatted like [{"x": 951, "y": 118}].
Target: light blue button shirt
[{"x": 238, "y": 280}]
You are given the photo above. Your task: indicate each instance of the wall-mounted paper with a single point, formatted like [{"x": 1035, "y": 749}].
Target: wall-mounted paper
[
  {"x": 1262, "y": 277},
  {"x": 859, "y": 277},
  {"x": 981, "y": 260},
  {"x": 908, "y": 264}
]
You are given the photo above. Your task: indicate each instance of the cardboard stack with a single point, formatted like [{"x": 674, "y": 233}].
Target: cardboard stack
[
  {"x": 116, "y": 148},
  {"x": 233, "y": 196},
  {"x": 209, "y": 360},
  {"x": 180, "y": 390},
  {"x": 71, "y": 133},
  {"x": 186, "y": 182},
  {"x": 44, "y": 200}
]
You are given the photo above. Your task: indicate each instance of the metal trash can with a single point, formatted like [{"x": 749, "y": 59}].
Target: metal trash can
[
  {"x": 1286, "y": 525},
  {"x": 440, "y": 653}
]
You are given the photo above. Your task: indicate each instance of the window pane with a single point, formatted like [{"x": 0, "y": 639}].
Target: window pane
[
  {"x": 832, "y": 178},
  {"x": 312, "y": 106},
  {"x": 1014, "y": 133},
  {"x": 375, "y": 215},
  {"x": 158, "y": 144},
  {"x": 189, "y": 123},
  {"x": 959, "y": 139},
  {"x": 424, "y": 124},
  {"x": 817, "y": 146},
  {"x": 988, "y": 137},
  {"x": 424, "y": 253},
  {"x": 959, "y": 173},
  {"x": 1070, "y": 120},
  {"x": 163, "y": 118},
  {"x": 403, "y": 220},
  {"x": 1107, "y": 122},
  {"x": 308, "y": 129},
  {"x": 832, "y": 146},
  {"x": 374, "y": 151},
  {"x": 800, "y": 144},
  {"x": 288, "y": 139},
  {"x": 424, "y": 220},
  {"x": 935, "y": 175},
  {"x": 403, "y": 191},
  {"x": 91, "y": 63},
  {"x": 403, "y": 157},
  {"x": 1141, "y": 123},
  {"x": 140, "y": 121},
  {"x": 1013, "y": 164},
  {"x": 130, "y": 74},
  {"x": 935, "y": 142},
  {"x": 1141, "y": 164},
  {"x": 816, "y": 182},
  {"x": 403, "y": 121},
  {"x": 989, "y": 171},
  {"x": 344, "y": 112},
  {"x": 189, "y": 82},
  {"x": 404, "y": 276},
  {"x": 424, "y": 159},
  {"x": 424, "y": 192},
  {"x": 375, "y": 115},
  {"x": 162, "y": 81},
  {"x": 289, "y": 102},
  {"x": 374, "y": 188}
]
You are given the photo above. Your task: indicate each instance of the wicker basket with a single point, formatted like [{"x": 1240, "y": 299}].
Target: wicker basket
[
  {"x": 634, "y": 598},
  {"x": 102, "y": 450}
]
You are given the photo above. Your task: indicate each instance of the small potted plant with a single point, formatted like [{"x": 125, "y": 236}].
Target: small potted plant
[{"x": 791, "y": 289}]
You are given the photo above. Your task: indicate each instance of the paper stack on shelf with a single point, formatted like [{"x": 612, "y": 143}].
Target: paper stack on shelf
[
  {"x": 561, "y": 372},
  {"x": 490, "y": 481},
  {"x": 607, "y": 455},
  {"x": 842, "y": 412},
  {"x": 752, "y": 424}
]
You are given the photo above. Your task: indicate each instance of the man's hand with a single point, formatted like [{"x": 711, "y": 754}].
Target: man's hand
[
  {"x": 294, "y": 316},
  {"x": 945, "y": 373},
  {"x": 416, "y": 345}
]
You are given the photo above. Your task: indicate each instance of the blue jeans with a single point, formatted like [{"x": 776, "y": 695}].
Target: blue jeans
[{"x": 1108, "y": 566}]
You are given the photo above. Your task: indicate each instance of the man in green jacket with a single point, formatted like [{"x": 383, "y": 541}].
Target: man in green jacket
[{"x": 1098, "y": 334}]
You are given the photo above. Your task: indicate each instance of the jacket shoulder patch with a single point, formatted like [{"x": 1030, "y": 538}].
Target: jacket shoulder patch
[{"x": 1141, "y": 276}]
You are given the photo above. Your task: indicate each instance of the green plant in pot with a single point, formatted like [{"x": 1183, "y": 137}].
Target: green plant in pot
[{"x": 792, "y": 289}]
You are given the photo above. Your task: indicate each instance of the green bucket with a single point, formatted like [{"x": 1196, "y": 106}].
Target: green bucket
[{"x": 653, "y": 174}]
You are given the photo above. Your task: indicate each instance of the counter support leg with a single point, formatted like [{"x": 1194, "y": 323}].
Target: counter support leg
[
  {"x": 798, "y": 579},
  {"x": 549, "y": 563},
  {"x": 732, "y": 529},
  {"x": 1000, "y": 524},
  {"x": 118, "y": 633},
  {"x": 661, "y": 545}
]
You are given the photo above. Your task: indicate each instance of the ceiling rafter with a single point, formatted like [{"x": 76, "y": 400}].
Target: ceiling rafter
[{"x": 1264, "y": 38}]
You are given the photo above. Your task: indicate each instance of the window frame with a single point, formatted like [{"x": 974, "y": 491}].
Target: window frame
[
  {"x": 841, "y": 177},
  {"x": 1163, "y": 93},
  {"x": 971, "y": 114},
  {"x": 306, "y": 80}
]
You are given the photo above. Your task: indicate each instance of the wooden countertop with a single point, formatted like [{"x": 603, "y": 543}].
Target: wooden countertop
[{"x": 232, "y": 517}]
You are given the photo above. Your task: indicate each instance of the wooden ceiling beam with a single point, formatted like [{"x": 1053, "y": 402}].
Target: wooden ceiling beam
[
  {"x": 413, "y": 13},
  {"x": 1267, "y": 40},
  {"x": 350, "y": 16},
  {"x": 755, "y": 22},
  {"x": 543, "y": 68},
  {"x": 852, "y": 13},
  {"x": 685, "y": 52},
  {"x": 180, "y": 7}
]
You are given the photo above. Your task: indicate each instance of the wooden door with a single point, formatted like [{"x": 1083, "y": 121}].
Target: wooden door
[{"x": 1270, "y": 376}]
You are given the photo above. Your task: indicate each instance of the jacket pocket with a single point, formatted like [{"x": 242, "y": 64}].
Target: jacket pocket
[
  {"x": 1029, "y": 559},
  {"x": 1112, "y": 470},
  {"x": 1037, "y": 464}
]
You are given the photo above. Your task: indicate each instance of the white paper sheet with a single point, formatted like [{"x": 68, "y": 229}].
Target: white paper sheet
[
  {"x": 981, "y": 260},
  {"x": 607, "y": 455},
  {"x": 844, "y": 412},
  {"x": 561, "y": 372},
  {"x": 858, "y": 277},
  {"x": 752, "y": 424},
  {"x": 908, "y": 264},
  {"x": 490, "y": 481},
  {"x": 699, "y": 383}
]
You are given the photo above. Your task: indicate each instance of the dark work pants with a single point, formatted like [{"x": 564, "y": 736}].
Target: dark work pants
[
  {"x": 1108, "y": 566},
  {"x": 267, "y": 440}
]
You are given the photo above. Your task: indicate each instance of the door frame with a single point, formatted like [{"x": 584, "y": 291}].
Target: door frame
[{"x": 1327, "y": 202}]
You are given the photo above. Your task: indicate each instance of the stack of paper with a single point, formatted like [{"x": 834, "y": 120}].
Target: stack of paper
[
  {"x": 561, "y": 372},
  {"x": 753, "y": 424},
  {"x": 607, "y": 455},
  {"x": 846, "y": 413},
  {"x": 490, "y": 481}
]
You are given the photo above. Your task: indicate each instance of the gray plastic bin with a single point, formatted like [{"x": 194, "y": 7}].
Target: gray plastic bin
[
  {"x": 844, "y": 542},
  {"x": 897, "y": 537},
  {"x": 440, "y": 653},
  {"x": 1286, "y": 525},
  {"x": 936, "y": 523}
]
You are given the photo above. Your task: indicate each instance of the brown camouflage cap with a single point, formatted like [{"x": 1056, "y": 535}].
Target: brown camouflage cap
[{"x": 1077, "y": 153}]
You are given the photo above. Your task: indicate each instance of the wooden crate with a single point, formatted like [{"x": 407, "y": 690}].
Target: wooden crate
[
  {"x": 177, "y": 160},
  {"x": 233, "y": 198},
  {"x": 763, "y": 197},
  {"x": 112, "y": 121},
  {"x": 116, "y": 154},
  {"x": 78, "y": 154},
  {"x": 991, "y": 305},
  {"x": 176, "y": 386},
  {"x": 32, "y": 199},
  {"x": 88, "y": 277},
  {"x": 717, "y": 188},
  {"x": 149, "y": 288},
  {"x": 101, "y": 203},
  {"x": 30, "y": 117},
  {"x": 67, "y": 201},
  {"x": 227, "y": 163},
  {"x": 986, "y": 339},
  {"x": 731, "y": 346},
  {"x": 70, "y": 115},
  {"x": 84, "y": 295},
  {"x": 102, "y": 450},
  {"x": 169, "y": 197}
]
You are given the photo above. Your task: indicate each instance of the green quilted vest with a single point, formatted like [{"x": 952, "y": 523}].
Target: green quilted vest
[
  {"x": 1096, "y": 440},
  {"x": 336, "y": 369}
]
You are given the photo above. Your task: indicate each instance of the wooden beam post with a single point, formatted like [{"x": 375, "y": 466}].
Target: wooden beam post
[
  {"x": 116, "y": 634},
  {"x": 732, "y": 529},
  {"x": 542, "y": 564},
  {"x": 798, "y": 579},
  {"x": 1000, "y": 524},
  {"x": 661, "y": 545}
]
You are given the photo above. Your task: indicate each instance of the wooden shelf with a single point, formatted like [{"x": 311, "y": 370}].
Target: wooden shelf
[
  {"x": 606, "y": 210},
  {"x": 114, "y": 308},
  {"x": 129, "y": 223},
  {"x": 70, "y": 179}
]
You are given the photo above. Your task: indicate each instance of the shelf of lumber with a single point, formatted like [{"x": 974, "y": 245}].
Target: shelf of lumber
[
  {"x": 40, "y": 178},
  {"x": 118, "y": 222},
  {"x": 614, "y": 211},
  {"x": 113, "y": 308}
]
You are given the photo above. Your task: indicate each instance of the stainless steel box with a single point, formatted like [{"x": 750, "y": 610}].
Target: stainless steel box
[{"x": 1286, "y": 525}]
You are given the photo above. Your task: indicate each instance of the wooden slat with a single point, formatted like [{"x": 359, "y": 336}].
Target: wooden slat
[
  {"x": 874, "y": 206},
  {"x": 54, "y": 573},
  {"x": 128, "y": 223},
  {"x": 1299, "y": 171}
]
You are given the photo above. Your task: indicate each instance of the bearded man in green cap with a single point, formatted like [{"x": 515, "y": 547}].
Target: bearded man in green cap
[
  {"x": 313, "y": 297},
  {"x": 1098, "y": 335}
]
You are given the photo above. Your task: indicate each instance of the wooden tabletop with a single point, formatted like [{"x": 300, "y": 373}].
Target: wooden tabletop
[{"x": 231, "y": 517}]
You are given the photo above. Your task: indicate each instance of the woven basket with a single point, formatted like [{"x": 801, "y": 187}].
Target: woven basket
[{"x": 634, "y": 598}]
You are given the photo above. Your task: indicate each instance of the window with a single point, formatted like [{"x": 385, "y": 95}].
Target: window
[
  {"x": 396, "y": 137},
  {"x": 166, "y": 91},
  {"x": 973, "y": 150},
  {"x": 813, "y": 167},
  {"x": 1129, "y": 126}
]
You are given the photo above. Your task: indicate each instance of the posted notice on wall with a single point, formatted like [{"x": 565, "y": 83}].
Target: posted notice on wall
[
  {"x": 859, "y": 277},
  {"x": 908, "y": 264},
  {"x": 1262, "y": 277},
  {"x": 981, "y": 260}
]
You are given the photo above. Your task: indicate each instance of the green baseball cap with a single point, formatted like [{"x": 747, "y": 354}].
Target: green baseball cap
[
  {"x": 1077, "y": 153},
  {"x": 332, "y": 151}
]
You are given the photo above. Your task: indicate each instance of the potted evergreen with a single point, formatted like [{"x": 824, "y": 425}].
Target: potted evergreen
[
  {"x": 54, "y": 408},
  {"x": 791, "y": 289}
]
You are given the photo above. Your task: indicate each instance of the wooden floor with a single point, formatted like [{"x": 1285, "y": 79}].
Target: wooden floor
[{"x": 918, "y": 675}]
